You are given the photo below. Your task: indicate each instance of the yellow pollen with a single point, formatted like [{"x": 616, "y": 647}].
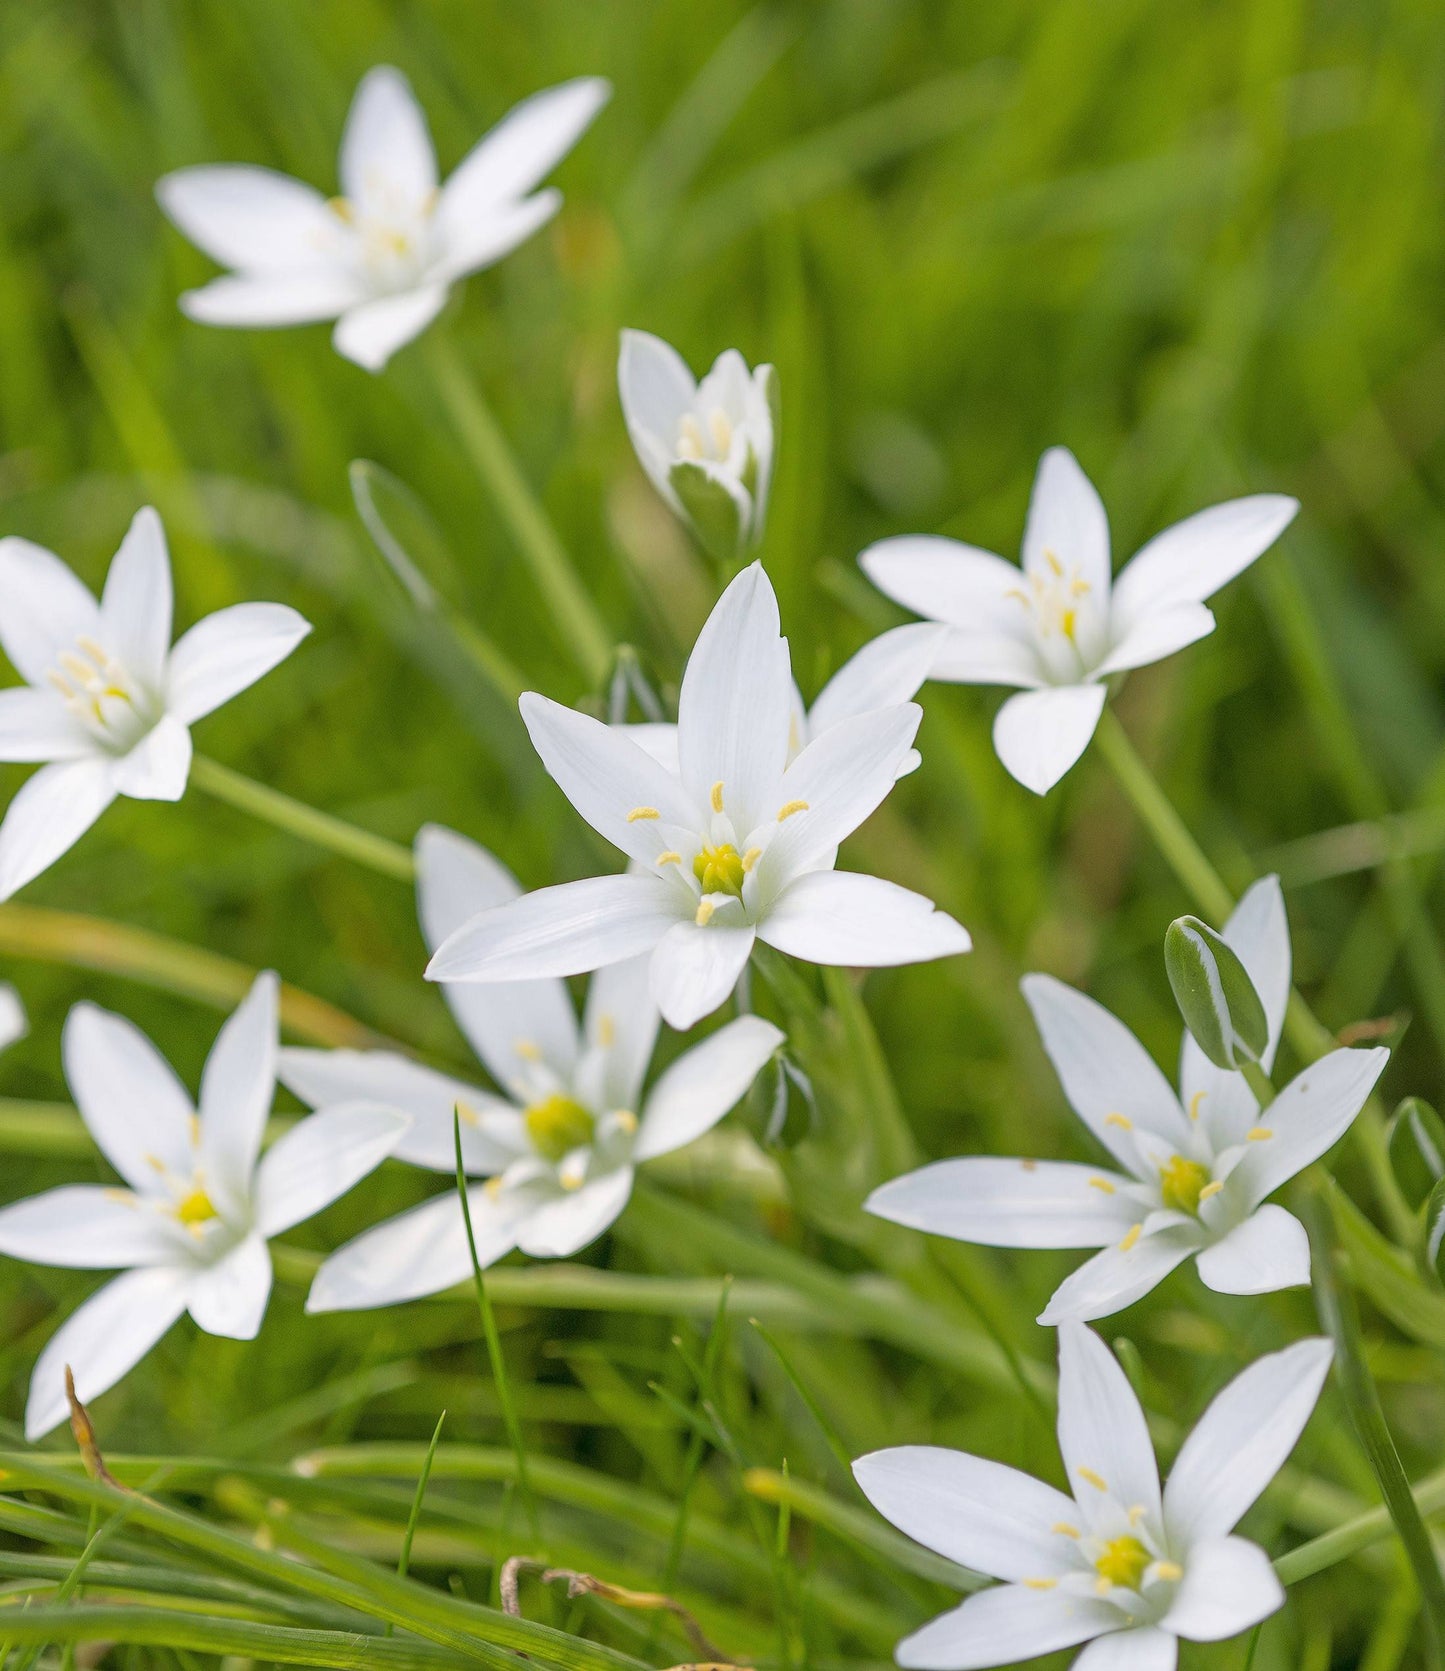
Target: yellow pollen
[
  {"x": 1210, "y": 1190},
  {"x": 527, "y": 1050},
  {"x": 705, "y": 908},
  {"x": 1052, "y": 560},
  {"x": 719, "y": 870},
  {"x": 571, "y": 1180},
  {"x": 1171, "y": 1571},
  {"x": 196, "y": 1208},
  {"x": 1124, "y": 1562},
  {"x": 123, "y": 1196},
  {"x": 1102, "y": 1184},
  {"x": 194, "y": 1122},
  {"x": 626, "y": 1120},
  {"x": 606, "y": 1031},
  {"x": 1065, "y": 1530},
  {"x": 668, "y": 858},
  {"x": 1103, "y": 1585},
  {"x": 1079, "y": 586},
  {"x": 1137, "y": 1513},
  {"x": 1089, "y": 1477},
  {"x": 750, "y": 858},
  {"x": 1131, "y": 1236},
  {"x": 557, "y": 1125},
  {"x": 1258, "y": 1134},
  {"x": 1194, "y": 1103},
  {"x": 716, "y": 796},
  {"x": 155, "y": 1163},
  {"x": 1040, "y": 1583},
  {"x": 1123, "y": 1121},
  {"x": 341, "y": 208},
  {"x": 467, "y": 1114},
  {"x": 1068, "y": 622},
  {"x": 1181, "y": 1183},
  {"x": 493, "y": 1187},
  {"x": 638, "y": 813},
  {"x": 792, "y": 807}
]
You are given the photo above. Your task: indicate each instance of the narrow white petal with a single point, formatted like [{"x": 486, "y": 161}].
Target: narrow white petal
[
  {"x": 694, "y": 969},
  {"x": 229, "y": 1297},
  {"x": 49, "y": 814},
  {"x": 1157, "y": 636},
  {"x": 1141, "y": 1649},
  {"x": 253, "y": 301},
  {"x": 157, "y": 768},
  {"x": 85, "y": 1227},
  {"x": 1102, "y": 1430},
  {"x": 999, "y": 1626},
  {"x": 320, "y": 1159},
  {"x": 387, "y": 158},
  {"x": 35, "y": 725},
  {"x": 227, "y": 652},
  {"x": 238, "y": 1084},
  {"x": 371, "y": 332},
  {"x": 1228, "y": 1585},
  {"x": 1117, "y": 1277},
  {"x": 700, "y": 1087},
  {"x": 135, "y": 1107},
  {"x": 846, "y": 919},
  {"x": 44, "y": 609},
  {"x": 523, "y": 148},
  {"x": 252, "y": 219},
  {"x": 565, "y": 1226},
  {"x": 136, "y": 603},
  {"x": 1039, "y": 734},
  {"x": 1067, "y": 517},
  {"x": 469, "y": 248},
  {"x": 1009, "y": 1203},
  {"x": 1268, "y": 1251},
  {"x": 1192, "y": 560},
  {"x": 886, "y": 671},
  {"x": 569, "y": 929},
  {"x": 1242, "y": 1440},
  {"x": 620, "y": 1026},
  {"x": 107, "y": 1336},
  {"x": 949, "y": 582},
  {"x": 981, "y": 1514},
  {"x": 656, "y": 388},
  {"x": 987, "y": 658}
]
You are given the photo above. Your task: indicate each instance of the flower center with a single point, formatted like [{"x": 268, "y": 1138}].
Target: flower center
[
  {"x": 711, "y": 438},
  {"x": 720, "y": 870},
  {"x": 100, "y": 693},
  {"x": 1124, "y": 1562},
  {"x": 1182, "y": 1182},
  {"x": 196, "y": 1208},
  {"x": 557, "y": 1125}
]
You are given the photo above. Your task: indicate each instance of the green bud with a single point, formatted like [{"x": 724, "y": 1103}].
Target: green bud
[
  {"x": 1435, "y": 1229},
  {"x": 1417, "y": 1149},
  {"x": 1215, "y": 994}
]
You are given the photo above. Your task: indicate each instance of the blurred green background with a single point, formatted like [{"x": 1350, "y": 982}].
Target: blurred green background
[{"x": 1203, "y": 244}]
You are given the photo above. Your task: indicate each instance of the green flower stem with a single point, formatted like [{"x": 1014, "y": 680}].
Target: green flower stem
[
  {"x": 1341, "y": 1542},
  {"x": 389, "y": 858},
  {"x": 480, "y": 434}
]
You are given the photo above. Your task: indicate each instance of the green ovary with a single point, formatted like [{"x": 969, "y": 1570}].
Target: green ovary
[
  {"x": 557, "y": 1125},
  {"x": 719, "y": 870},
  {"x": 1181, "y": 1183}
]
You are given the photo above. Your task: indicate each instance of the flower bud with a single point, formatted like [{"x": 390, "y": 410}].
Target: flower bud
[
  {"x": 1215, "y": 994},
  {"x": 1417, "y": 1149}
]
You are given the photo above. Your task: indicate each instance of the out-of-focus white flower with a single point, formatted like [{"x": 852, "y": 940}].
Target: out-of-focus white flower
[
  {"x": 1197, "y": 1167},
  {"x": 14, "y": 1024},
  {"x": 191, "y": 1227},
  {"x": 381, "y": 258},
  {"x": 740, "y": 846},
  {"x": 1114, "y": 1561},
  {"x": 1060, "y": 627},
  {"x": 109, "y": 700},
  {"x": 560, "y": 1146},
  {"x": 708, "y": 446}
]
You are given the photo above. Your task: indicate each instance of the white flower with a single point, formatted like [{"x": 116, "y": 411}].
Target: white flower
[
  {"x": 707, "y": 446},
  {"x": 886, "y": 672},
  {"x": 560, "y": 1145},
  {"x": 1196, "y": 1168},
  {"x": 1113, "y": 1562},
  {"x": 191, "y": 1228},
  {"x": 1059, "y": 628},
  {"x": 739, "y": 847},
  {"x": 381, "y": 258},
  {"x": 14, "y": 1024},
  {"x": 108, "y": 699}
]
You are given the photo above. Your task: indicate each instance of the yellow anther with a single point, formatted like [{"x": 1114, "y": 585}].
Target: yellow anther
[
  {"x": 1065, "y": 1530},
  {"x": 467, "y": 1114},
  {"x": 1052, "y": 560},
  {"x": 722, "y": 430},
  {"x": 791, "y": 807},
  {"x": 719, "y": 870},
  {"x": 1039, "y": 1583},
  {"x": 606, "y": 1031},
  {"x": 1181, "y": 1183},
  {"x": 493, "y": 1187},
  {"x": 639, "y": 813},
  {"x": 750, "y": 858},
  {"x": 155, "y": 1162},
  {"x": 1124, "y": 1562},
  {"x": 717, "y": 797},
  {"x": 1258, "y": 1134},
  {"x": 122, "y": 1196},
  {"x": 527, "y": 1049},
  {"x": 690, "y": 443},
  {"x": 196, "y": 1209},
  {"x": 193, "y": 1121},
  {"x": 341, "y": 208},
  {"x": 1103, "y": 1585},
  {"x": 668, "y": 858},
  {"x": 557, "y": 1125},
  {"x": 705, "y": 908},
  {"x": 1170, "y": 1571},
  {"x": 1089, "y": 1477},
  {"x": 1194, "y": 1103},
  {"x": 1210, "y": 1190},
  {"x": 626, "y": 1121},
  {"x": 1123, "y": 1121},
  {"x": 1068, "y": 622},
  {"x": 1137, "y": 1513},
  {"x": 1101, "y": 1184},
  {"x": 1131, "y": 1236},
  {"x": 1078, "y": 586}
]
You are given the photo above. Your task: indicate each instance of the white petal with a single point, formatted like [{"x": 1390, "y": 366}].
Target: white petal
[
  {"x": 1242, "y": 1440},
  {"x": 227, "y": 652},
  {"x": 1268, "y": 1251},
  {"x": 1117, "y": 1277},
  {"x": 694, "y": 969},
  {"x": 852, "y": 921},
  {"x": 950, "y": 582},
  {"x": 657, "y": 741},
  {"x": 1308, "y": 1117},
  {"x": 736, "y": 700},
  {"x": 1192, "y": 560},
  {"x": 656, "y": 388},
  {"x": 135, "y": 1107},
  {"x": 569, "y": 929},
  {"x": 1067, "y": 517},
  {"x": 700, "y": 1087},
  {"x": 252, "y": 219},
  {"x": 157, "y": 768},
  {"x": 48, "y": 816},
  {"x": 469, "y": 248},
  {"x": 256, "y": 300},
  {"x": 981, "y": 1514},
  {"x": 319, "y": 1160},
  {"x": 885, "y": 672},
  {"x": 987, "y": 658},
  {"x": 1039, "y": 734},
  {"x": 229, "y": 1297},
  {"x": 1102, "y": 1429},
  {"x": 428, "y": 1098},
  {"x": 1157, "y": 636},
  {"x": 387, "y": 160},
  {"x": 606, "y": 777},
  {"x": 999, "y": 1626},
  {"x": 35, "y": 725},
  {"x": 44, "y": 609},
  {"x": 14, "y": 1023},
  {"x": 238, "y": 1084},
  {"x": 620, "y": 1025},
  {"x": 136, "y": 603},
  {"x": 371, "y": 332},
  {"x": 565, "y": 1226},
  {"x": 1111, "y": 1081},
  {"x": 1140, "y": 1649},
  {"x": 84, "y": 1227},
  {"x": 419, "y": 1252},
  {"x": 107, "y": 1336},
  {"x": 1009, "y": 1203},
  {"x": 1228, "y": 1585},
  {"x": 523, "y": 148}
]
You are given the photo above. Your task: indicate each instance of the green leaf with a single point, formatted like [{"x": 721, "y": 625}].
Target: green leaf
[
  {"x": 405, "y": 534},
  {"x": 1417, "y": 1149},
  {"x": 715, "y": 515},
  {"x": 1388, "y": 1277},
  {"x": 1215, "y": 994}
]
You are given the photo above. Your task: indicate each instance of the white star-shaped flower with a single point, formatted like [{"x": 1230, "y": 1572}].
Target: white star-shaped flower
[
  {"x": 1114, "y": 1561},
  {"x": 109, "y": 700},
  {"x": 1194, "y": 1171},
  {"x": 381, "y": 258},
  {"x": 1061, "y": 625},
  {"x": 191, "y": 1225},
  {"x": 738, "y": 847},
  {"x": 560, "y": 1145}
]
